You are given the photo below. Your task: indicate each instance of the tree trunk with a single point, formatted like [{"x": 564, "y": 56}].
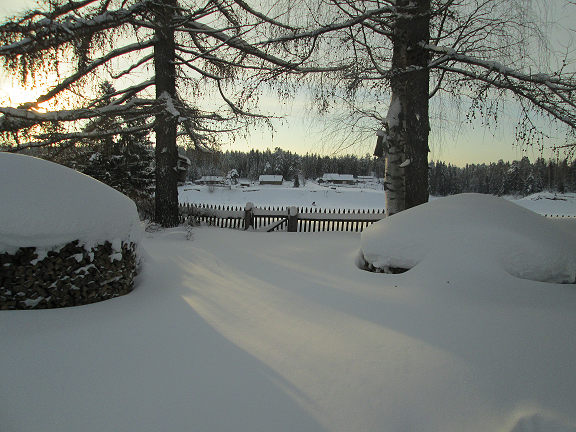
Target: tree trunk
[
  {"x": 406, "y": 178},
  {"x": 166, "y": 123}
]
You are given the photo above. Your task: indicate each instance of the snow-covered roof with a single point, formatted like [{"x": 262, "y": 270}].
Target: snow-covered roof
[
  {"x": 184, "y": 159},
  {"x": 270, "y": 178},
  {"x": 337, "y": 177},
  {"x": 365, "y": 179},
  {"x": 210, "y": 178},
  {"x": 495, "y": 235},
  {"x": 44, "y": 204}
]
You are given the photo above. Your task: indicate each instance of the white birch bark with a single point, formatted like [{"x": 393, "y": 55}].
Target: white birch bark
[{"x": 394, "y": 178}]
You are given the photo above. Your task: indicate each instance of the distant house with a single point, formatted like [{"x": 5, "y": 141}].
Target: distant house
[
  {"x": 339, "y": 179},
  {"x": 211, "y": 180},
  {"x": 271, "y": 179},
  {"x": 365, "y": 179}
]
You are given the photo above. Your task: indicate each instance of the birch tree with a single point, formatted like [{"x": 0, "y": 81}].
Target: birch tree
[{"x": 489, "y": 51}]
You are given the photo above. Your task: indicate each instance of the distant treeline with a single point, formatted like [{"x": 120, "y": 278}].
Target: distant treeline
[
  {"x": 252, "y": 164},
  {"x": 500, "y": 178},
  {"x": 503, "y": 178}
]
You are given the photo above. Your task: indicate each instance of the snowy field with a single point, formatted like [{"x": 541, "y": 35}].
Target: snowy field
[
  {"x": 238, "y": 331},
  {"x": 309, "y": 195},
  {"x": 369, "y": 196}
]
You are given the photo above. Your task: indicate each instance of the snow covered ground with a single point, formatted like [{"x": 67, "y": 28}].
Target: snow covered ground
[
  {"x": 244, "y": 331},
  {"x": 369, "y": 196},
  {"x": 309, "y": 195}
]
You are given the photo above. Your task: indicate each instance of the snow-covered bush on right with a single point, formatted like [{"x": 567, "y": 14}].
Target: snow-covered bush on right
[{"x": 485, "y": 232}]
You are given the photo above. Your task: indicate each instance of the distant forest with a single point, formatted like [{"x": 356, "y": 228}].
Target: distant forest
[{"x": 500, "y": 178}]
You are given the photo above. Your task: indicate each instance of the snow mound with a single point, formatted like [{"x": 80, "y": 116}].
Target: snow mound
[
  {"x": 475, "y": 229},
  {"x": 550, "y": 203},
  {"x": 45, "y": 204},
  {"x": 541, "y": 423}
]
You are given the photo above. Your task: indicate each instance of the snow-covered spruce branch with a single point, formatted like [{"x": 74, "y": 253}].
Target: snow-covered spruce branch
[
  {"x": 192, "y": 122},
  {"x": 57, "y": 12},
  {"x": 89, "y": 68},
  {"x": 122, "y": 96},
  {"x": 333, "y": 27},
  {"x": 262, "y": 16},
  {"x": 46, "y": 33},
  {"x": 13, "y": 119},
  {"x": 247, "y": 48},
  {"x": 125, "y": 94},
  {"x": 72, "y": 138},
  {"x": 231, "y": 63},
  {"x": 184, "y": 113}
]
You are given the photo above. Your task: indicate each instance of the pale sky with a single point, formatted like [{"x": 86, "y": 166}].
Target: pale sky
[{"x": 473, "y": 144}]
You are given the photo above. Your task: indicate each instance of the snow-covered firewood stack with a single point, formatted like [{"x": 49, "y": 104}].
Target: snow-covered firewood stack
[
  {"x": 72, "y": 276},
  {"x": 65, "y": 238}
]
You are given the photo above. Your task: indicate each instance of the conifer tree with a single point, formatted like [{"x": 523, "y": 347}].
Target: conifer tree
[{"x": 124, "y": 161}]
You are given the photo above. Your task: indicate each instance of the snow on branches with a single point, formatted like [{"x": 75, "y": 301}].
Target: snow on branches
[{"x": 554, "y": 95}]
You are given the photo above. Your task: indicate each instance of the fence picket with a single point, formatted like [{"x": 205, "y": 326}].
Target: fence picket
[{"x": 308, "y": 219}]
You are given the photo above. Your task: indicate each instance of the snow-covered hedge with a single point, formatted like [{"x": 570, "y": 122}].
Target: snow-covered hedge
[
  {"x": 65, "y": 238},
  {"x": 472, "y": 230}
]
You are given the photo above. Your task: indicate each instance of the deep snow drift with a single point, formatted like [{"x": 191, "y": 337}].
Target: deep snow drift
[
  {"x": 490, "y": 232},
  {"x": 244, "y": 331},
  {"x": 44, "y": 204}
]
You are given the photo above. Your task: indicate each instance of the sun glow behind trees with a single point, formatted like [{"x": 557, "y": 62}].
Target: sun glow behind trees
[
  {"x": 453, "y": 139},
  {"x": 13, "y": 93},
  {"x": 300, "y": 131}
]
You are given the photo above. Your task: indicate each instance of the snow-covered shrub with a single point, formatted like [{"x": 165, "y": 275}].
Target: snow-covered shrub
[{"x": 485, "y": 231}]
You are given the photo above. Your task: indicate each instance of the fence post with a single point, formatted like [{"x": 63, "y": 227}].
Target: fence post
[
  {"x": 248, "y": 216},
  {"x": 293, "y": 219}
]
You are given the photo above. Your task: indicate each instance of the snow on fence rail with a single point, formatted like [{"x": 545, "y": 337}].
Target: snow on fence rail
[{"x": 292, "y": 219}]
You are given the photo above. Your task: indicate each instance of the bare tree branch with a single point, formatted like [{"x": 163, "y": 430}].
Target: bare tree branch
[{"x": 47, "y": 33}]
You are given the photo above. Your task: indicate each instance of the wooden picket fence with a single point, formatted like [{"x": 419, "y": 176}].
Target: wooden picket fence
[{"x": 292, "y": 219}]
